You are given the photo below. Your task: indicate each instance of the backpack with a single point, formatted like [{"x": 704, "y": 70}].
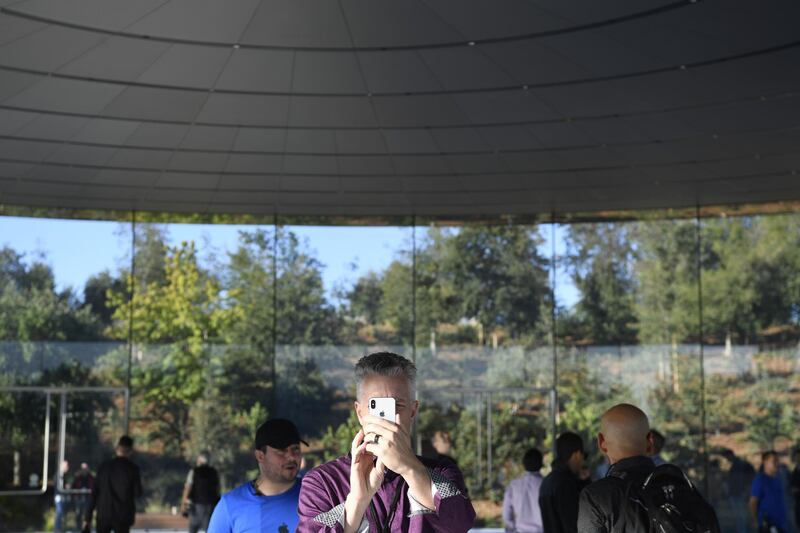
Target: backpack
[{"x": 673, "y": 504}]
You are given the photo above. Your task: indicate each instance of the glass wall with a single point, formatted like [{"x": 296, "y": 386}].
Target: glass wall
[
  {"x": 751, "y": 357},
  {"x": 632, "y": 333},
  {"x": 483, "y": 313},
  {"x": 342, "y": 292},
  {"x": 521, "y": 329},
  {"x": 55, "y": 322}
]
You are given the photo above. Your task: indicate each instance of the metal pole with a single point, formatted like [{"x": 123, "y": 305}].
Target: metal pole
[
  {"x": 704, "y": 444},
  {"x": 414, "y": 288},
  {"x": 125, "y": 420},
  {"x": 48, "y": 392},
  {"x": 553, "y": 340},
  {"x": 46, "y": 444},
  {"x": 479, "y": 451},
  {"x": 62, "y": 440},
  {"x": 414, "y": 431},
  {"x": 45, "y": 457},
  {"x": 273, "y": 372},
  {"x": 130, "y": 319},
  {"x": 489, "y": 476}
]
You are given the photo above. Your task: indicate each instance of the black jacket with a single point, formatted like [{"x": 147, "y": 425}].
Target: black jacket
[
  {"x": 116, "y": 487},
  {"x": 558, "y": 500},
  {"x": 604, "y": 505}
]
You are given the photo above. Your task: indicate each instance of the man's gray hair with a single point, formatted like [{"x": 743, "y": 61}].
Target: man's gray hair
[{"x": 386, "y": 364}]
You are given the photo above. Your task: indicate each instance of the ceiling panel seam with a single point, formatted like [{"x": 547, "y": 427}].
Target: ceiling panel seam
[
  {"x": 525, "y": 86},
  {"x": 534, "y": 35},
  {"x": 782, "y": 94},
  {"x": 564, "y": 170}
]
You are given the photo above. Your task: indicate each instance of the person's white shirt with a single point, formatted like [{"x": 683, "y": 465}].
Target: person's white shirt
[{"x": 521, "y": 511}]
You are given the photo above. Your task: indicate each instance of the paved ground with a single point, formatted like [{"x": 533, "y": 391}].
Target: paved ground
[
  {"x": 183, "y": 530},
  {"x": 167, "y": 523},
  {"x": 478, "y": 530}
]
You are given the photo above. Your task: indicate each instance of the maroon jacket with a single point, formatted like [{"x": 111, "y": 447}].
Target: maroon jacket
[{"x": 324, "y": 489}]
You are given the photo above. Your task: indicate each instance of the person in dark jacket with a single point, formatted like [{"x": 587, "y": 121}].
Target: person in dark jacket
[
  {"x": 200, "y": 494},
  {"x": 624, "y": 439},
  {"x": 117, "y": 485},
  {"x": 84, "y": 480},
  {"x": 560, "y": 490}
]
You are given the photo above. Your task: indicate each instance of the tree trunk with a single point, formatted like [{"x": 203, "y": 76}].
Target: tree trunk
[
  {"x": 676, "y": 384},
  {"x": 728, "y": 347},
  {"x": 17, "y": 468}
]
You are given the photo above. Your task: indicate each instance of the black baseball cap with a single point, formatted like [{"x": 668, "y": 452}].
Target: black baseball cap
[{"x": 277, "y": 433}]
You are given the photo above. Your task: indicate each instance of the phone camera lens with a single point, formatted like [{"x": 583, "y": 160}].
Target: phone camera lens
[{"x": 372, "y": 404}]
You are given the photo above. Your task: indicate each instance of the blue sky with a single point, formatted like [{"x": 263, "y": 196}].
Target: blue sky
[{"x": 76, "y": 249}]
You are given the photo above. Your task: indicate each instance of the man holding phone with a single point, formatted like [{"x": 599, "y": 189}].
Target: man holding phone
[{"x": 382, "y": 485}]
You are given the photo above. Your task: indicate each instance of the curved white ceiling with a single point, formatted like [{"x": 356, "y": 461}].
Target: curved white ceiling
[{"x": 430, "y": 107}]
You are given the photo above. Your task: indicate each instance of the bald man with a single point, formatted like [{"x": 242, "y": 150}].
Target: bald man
[{"x": 625, "y": 440}]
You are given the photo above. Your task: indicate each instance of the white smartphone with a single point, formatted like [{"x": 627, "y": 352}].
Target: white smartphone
[{"x": 382, "y": 407}]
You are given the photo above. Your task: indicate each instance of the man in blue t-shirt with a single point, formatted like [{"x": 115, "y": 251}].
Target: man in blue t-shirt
[
  {"x": 767, "y": 502},
  {"x": 268, "y": 504}
]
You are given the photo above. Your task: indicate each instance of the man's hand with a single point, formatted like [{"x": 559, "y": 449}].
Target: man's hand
[
  {"x": 394, "y": 444},
  {"x": 394, "y": 450},
  {"x": 366, "y": 477}
]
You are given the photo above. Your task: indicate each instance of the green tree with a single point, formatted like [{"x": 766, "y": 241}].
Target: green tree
[
  {"x": 174, "y": 318},
  {"x": 729, "y": 289},
  {"x": 31, "y": 309},
  {"x": 749, "y": 275},
  {"x": 500, "y": 277},
  {"x": 252, "y": 327},
  {"x": 397, "y": 302},
  {"x": 336, "y": 441},
  {"x": 304, "y": 315},
  {"x": 366, "y": 298},
  {"x": 601, "y": 266},
  {"x": 666, "y": 268},
  {"x": 95, "y": 293}
]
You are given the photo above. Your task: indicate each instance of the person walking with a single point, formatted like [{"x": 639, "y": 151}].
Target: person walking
[
  {"x": 737, "y": 488},
  {"x": 117, "y": 485},
  {"x": 794, "y": 485},
  {"x": 83, "y": 481},
  {"x": 200, "y": 494},
  {"x": 767, "y": 498},
  {"x": 62, "y": 500},
  {"x": 521, "y": 511},
  {"x": 560, "y": 490}
]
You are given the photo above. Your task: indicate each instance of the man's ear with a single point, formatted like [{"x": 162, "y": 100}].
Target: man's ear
[
  {"x": 651, "y": 445},
  {"x": 260, "y": 456},
  {"x": 414, "y": 409},
  {"x": 357, "y": 407},
  {"x": 601, "y": 443}
]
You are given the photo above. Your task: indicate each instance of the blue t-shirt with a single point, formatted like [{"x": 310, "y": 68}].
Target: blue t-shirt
[
  {"x": 771, "y": 503},
  {"x": 244, "y": 510}
]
